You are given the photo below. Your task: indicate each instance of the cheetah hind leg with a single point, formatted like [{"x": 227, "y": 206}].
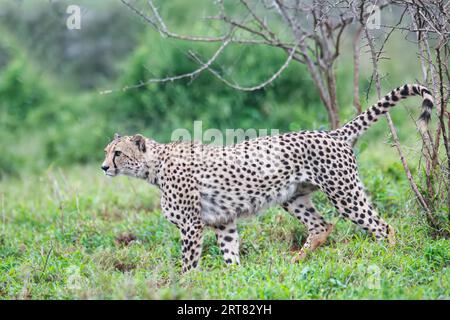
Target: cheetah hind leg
[{"x": 360, "y": 211}]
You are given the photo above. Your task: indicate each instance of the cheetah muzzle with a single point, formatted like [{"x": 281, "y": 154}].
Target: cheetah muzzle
[{"x": 202, "y": 185}]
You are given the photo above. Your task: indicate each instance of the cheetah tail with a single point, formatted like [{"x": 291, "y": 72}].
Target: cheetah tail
[{"x": 356, "y": 127}]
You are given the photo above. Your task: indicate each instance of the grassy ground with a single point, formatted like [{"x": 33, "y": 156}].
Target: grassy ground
[{"x": 76, "y": 234}]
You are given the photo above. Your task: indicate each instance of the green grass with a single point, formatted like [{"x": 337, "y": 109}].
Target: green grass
[{"x": 59, "y": 234}]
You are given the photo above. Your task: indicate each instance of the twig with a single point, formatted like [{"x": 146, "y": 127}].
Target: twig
[
  {"x": 253, "y": 88},
  {"x": 260, "y": 22},
  {"x": 178, "y": 77},
  {"x": 162, "y": 29}
]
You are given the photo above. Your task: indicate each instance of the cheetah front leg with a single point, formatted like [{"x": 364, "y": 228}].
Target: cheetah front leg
[
  {"x": 192, "y": 241},
  {"x": 318, "y": 229},
  {"x": 228, "y": 241},
  {"x": 187, "y": 218}
]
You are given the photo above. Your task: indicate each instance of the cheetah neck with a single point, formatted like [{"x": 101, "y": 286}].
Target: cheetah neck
[{"x": 153, "y": 162}]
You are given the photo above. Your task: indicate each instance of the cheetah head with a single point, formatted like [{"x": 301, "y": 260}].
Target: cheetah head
[{"x": 127, "y": 155}]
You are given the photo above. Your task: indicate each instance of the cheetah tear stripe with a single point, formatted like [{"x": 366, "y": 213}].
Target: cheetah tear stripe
[{"x": 355, "y": 128}]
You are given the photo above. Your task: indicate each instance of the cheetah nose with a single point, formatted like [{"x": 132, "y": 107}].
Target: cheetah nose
[{"x": 105, "y": 168}]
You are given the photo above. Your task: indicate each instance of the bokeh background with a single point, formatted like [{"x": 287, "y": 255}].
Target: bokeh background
[{"x": 52, "y": 111}]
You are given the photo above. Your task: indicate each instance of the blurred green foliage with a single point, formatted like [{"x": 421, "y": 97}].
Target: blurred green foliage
[
  {"x": 45, "y": 121},
  {"x": 52, "y": 112}
]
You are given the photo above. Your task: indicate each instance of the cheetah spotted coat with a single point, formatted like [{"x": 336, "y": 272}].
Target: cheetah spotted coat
[{"x": 202, "y": 185}]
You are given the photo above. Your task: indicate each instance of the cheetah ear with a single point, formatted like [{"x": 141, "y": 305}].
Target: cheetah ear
[
  {"x": 117, "y": 136},
  {"x": 139, "y": 140}
]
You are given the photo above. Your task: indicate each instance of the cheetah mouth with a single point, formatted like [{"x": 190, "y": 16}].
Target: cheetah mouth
[{"x": 111, "y": 173}]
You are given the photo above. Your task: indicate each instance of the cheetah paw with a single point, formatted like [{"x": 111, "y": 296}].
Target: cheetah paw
[
  {"x": 312, "y": 243},
  {"x": 391, "y": 236}
]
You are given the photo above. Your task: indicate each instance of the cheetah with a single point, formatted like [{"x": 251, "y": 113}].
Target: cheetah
[{"x": 209, "y": 186}]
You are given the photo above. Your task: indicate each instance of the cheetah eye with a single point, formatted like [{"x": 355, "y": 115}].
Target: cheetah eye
[{"x": 117, "y": 153}]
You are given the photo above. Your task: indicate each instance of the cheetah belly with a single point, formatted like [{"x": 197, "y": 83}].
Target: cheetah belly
[
  {"x": 273, "y": 197},
  {"x": 221, "y": 209}
]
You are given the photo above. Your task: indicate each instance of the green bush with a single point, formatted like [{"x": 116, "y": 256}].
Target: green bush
[
  {"x": 21, "y": 89},
  {"x": 40, "y": 123}
]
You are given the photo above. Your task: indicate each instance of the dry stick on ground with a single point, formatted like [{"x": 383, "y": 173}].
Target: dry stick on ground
[{"x": 413, "y": 185}]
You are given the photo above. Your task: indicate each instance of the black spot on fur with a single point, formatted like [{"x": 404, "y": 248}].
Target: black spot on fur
[
  {"x": 405, "y": 91},
  {"x": 425, "y": 116},
  {"x": 426, "y": 91},
  {"x": 427, "y": 103}
]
